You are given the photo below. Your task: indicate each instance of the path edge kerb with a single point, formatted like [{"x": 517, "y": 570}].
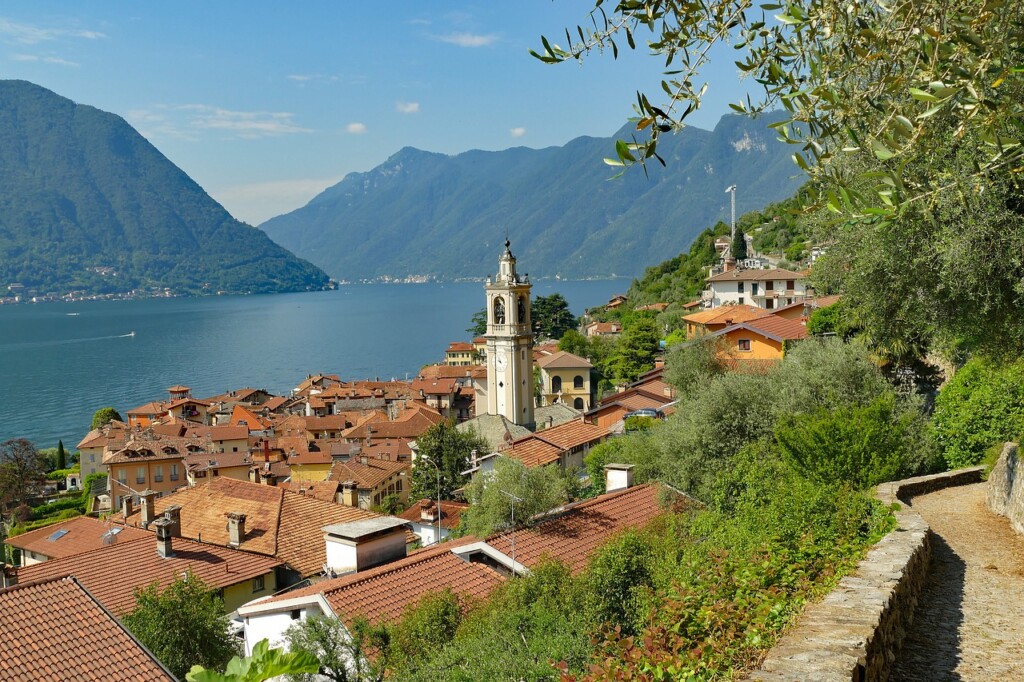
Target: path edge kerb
[{"x": 854, "y": 633}]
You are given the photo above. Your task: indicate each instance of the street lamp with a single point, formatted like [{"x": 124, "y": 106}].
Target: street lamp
[
  {"x": 731, "y": 189},
  {"x": 514, "y": 500}
]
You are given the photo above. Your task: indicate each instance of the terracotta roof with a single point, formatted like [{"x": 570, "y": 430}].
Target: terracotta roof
[
  {"x": 755, "y": 275},
  {"x": 563, "y": 359},
  {"x": 227, "y": 432},
  {"x": 544, "y": 447},
  {"x": 274, "y": 403},
  {"x": 659, "y": 307},
  {"x": 186, "y": 401},
  {"x": 74, "y": 536},
  {"x": 571, "y": 535},
  {"x": 447, "y": 371},
  {"x": 436, "y": 386},
  {"x": 325, "y": 491},
  {"x": 727, "y": 314},
  {"x": 367, "y": 476},
  {"x": 113, "y": 573},
  {"x": 205, "y": 461},
  {"x": 146, "y": 451},
  {"x": 773, "y": 327},
  {"x": 331, "y": 422},
  {"x": 451, "y": 513},
  {"x": 55, "y": 630},
  {"x": 154, "y": 407},
  {"x": 410, "y": 424},
  {"x": 605, "y": 327},
  {"x": 278, "y": 522},
  {"x": 179, "y": 388},
  {"x": 459, "y": 347},
  {"x": 253, "y": 421}
]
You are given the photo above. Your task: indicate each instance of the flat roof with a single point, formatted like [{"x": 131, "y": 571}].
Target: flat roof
[{"x": 358, "y": 530}]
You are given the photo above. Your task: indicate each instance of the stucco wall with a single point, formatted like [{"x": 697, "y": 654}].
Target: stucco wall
[
  {"x": 1006, "y": 487},
  {"x": 855, "y": 632}
]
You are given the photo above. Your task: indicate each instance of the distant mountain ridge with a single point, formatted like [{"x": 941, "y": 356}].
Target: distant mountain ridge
[
  {"x": 424, "y": 213},
  {"x": 86, "y": 203}
]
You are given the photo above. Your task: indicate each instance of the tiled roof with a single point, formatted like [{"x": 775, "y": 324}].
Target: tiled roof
[
  {"x": 55, "y": 630},
  {"x": 80, "y": 534},
  {"x": 727, "y": 314},
  {"x": 204, "y": 461},
  {"x": 451, "y": 513},
  {"x": 773, "y": 327},
  {"x": 436, "y": 386},
  {"x": 571, "y": 536},
  {"x": 253, "y": 421},
  {"x": 556, "y": 413},
  {"x": 496, "y": 429},
  {"x": 659, "y": 307},
  {"x": 278, "y": 522},
  {"x": 755, "y": 275},
  {"x": 368, "y": 475},
  {"x": 446, "y": 371},
  {"x": 332, "y": 422},
  {"x": 274, "y": 403},
  {"x": 544, "y": 447},
  {"x": 325, "y": 491},
  {"x": 563, "y": 360},
  {"x": 113, "y": 573},
  {"x": 154, "y": 407},
  {"x": 459, "y": 347}
]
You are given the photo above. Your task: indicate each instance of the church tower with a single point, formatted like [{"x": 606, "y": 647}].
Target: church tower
[{"x": 509, "y": 344}]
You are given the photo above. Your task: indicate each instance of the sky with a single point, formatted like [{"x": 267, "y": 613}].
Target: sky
[{"x": 266, "y": 104}]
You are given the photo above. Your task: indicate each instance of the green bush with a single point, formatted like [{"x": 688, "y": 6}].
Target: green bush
[{"x": 981, "y": 405}]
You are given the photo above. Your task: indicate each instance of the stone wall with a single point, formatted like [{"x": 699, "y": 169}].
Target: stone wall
[
  {"x": 855, "y": 632},
  {"x": 1006, "y": 487}
]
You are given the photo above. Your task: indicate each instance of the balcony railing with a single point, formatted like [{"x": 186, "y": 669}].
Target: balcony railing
[
  {"x": 517, "y": 329},
  {"x": 140, "y": 479}
]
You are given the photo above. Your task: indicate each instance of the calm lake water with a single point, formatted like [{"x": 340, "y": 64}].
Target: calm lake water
[{"x": 60, "y": 362}]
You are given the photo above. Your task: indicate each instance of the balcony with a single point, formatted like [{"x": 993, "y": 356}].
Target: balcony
[
  {"x": 506, "y": 329},
  {"x": 158, "y": 479},
  {"x": 139, "y": 480}
]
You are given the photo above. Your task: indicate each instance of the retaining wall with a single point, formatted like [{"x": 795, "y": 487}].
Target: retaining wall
[
  {"x": 1006, "y": 487},
  {"x": 855, "y": 632}
]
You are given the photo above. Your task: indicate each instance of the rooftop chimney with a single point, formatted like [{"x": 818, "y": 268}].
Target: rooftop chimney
[
  {"x": 618, "y": 477},
  {"x": 127, "y": 507},
  {"x": 359, "y": 545},
  {"x": 428, "y": 511},
  {"x": 173, "y": 515},
  {"x": 236, "y": 529},
  {"x": 148, "y": 507},
  {"x": 269, "y": 478},
  {"x": 163, "y": 537},
  {"x": 729, "y": 264},
  {"x": 363, "y": 459}
]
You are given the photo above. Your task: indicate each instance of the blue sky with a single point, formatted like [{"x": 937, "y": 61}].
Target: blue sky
[{"x": 265, "y": 104}]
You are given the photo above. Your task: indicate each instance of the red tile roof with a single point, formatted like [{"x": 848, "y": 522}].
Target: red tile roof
[
  {"x": 727, "y": 314},
  {"x": 459, "y": 347},
  {"x": 773, "y": 327},
  {"x": 755, "y": 275},
  {"x": 451, "y": 513},
  {"x": 55, "y": 630},
  {"x": 113, "y": 573},
  {"x": 545, "y": 447},
  {"x": 81, "y": 534},
  {"x": 369, "y": 475},
  {"x": 563, "y": 360}
]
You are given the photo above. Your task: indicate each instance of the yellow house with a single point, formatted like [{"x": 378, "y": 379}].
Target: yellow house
[
  {"x": 459, "y": 354},
  {"x": 364, "y": 482},
  {"x": 310, "y": 467},
  {"x": 565, "y": 378},
  {"x": 154, "y": 466},
  {"x": 765, "y": 338}
]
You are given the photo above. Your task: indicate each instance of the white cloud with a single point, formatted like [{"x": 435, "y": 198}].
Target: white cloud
[
  {"x": 45, "y": 60},
  {"x": 408, "y": 107},
  {"x": 186, "y": 121},
  {"x": 26, "y": 34},
  {"x": 256, "y": 202},
  {"x": 517, "y": 132},
  {"x": 468, "y": 39},
  {"x": 303, "y": 78},
  {"x": 356, "y": 128}
]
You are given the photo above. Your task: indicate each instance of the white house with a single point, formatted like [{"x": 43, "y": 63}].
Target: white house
[{"x": 768, "y": 289}]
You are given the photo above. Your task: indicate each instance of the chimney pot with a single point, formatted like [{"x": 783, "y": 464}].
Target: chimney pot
[
  {"x": 127, "y": 506},
  {"x": 363, "y": 459},
  {"x": 148, "y": 507},
  {"x": 164, "y": 535},
  {"x": 236, "y": 529},
  {"x": 173, "y": 515},
  {"x": 618, "y": 477}
]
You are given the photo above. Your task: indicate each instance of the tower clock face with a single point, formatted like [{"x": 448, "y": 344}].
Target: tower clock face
[{"x": 500, "y": 362}]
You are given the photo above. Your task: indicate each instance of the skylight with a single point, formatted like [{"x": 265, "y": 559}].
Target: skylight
[{"x": 58, "y": 535}]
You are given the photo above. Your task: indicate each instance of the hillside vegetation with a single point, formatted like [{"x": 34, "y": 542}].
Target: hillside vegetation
[{"x": 87, "y": 204}]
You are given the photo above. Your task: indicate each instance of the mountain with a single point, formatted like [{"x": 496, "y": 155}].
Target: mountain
[
  {"x": 422, "y": 213},
  {"x": 86, "y": 203}
]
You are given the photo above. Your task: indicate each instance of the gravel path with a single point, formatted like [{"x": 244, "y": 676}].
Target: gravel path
[{"x": 969, "y": 623}]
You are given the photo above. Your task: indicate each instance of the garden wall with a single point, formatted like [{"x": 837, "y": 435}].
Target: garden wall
[
  {"x": 1006, "y": 487},
  {"x": 855, "y": 632}
]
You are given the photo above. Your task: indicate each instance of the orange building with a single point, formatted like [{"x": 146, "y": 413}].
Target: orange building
[{"x": 765, "y": 338}]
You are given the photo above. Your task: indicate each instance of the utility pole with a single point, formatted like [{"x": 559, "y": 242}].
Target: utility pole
[{"x": 731, "y": 189}]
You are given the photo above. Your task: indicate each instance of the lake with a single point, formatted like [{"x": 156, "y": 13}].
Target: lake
[{"x": 60, "y": 362}]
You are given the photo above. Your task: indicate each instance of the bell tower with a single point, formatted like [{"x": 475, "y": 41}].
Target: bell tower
[{"x": 509, "y": 344}]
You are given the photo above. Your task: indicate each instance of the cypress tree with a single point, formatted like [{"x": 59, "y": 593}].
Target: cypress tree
[
  {"x": 739, "y": 245},
  {"x": 62, "y": 457}
]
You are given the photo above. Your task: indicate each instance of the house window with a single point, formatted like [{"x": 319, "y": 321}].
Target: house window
[
  {"x": 556, "y": 384},
  {"x": 742, "y": 300},
  {"x": 92, "y": 457},
  {"x": 577, "y": 383},
  {"x": 743, "y": 345},
  {"x": 296, "y": 614},
  {"x": 158, "y": 473},
  {"x": 769, "y": 285},
  {"x": 257, "y": 584},
  {"x": 578, "y": 404},
  {"x": 174, "y": 472},
  {"x": 753, "y": 288},
  {"x": 140, "y": 475},
  {"x": 739, "y": 287},
  {"x": 790, "y": 284},
  {"x": 769, "y": 303},
  {"x": 122, "y": 476}
]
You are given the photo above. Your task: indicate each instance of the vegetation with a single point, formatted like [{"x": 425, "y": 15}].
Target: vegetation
[
  {"x": 442, "y": 454},
  {"x": 358, "y": 653},
  {"x": 739, "y": 245},
  {"x": 183, "y": 625},
  {"x": 22, "y": 472},
  {"x": 551, "y": 316},
  {"x": 104, "y": 416},
  {"x": 264, "y": 664},
  {"x": 514, "y": 488},
  {"x": 124, "y": 218}
]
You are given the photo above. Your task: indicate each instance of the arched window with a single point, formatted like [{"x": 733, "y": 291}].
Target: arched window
[
  {"x": 577, "y": 383},
  {"x": 521, "y": 311},
  {"x": 499, "y": 310},
  {"x": 556, "y": 384},
  {"x": 577, "y": 404}
]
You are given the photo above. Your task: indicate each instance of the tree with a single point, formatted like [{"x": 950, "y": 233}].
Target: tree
[
  {"x": 690, "y": 366},
  {"x": 183, "y": 625},
  {"x": 104, "y": 416},
  {"x": 442, "y": 454},
  {"x": 739, "y": 245},
  {"x": 344, "y": 652},
  {"x": 478, "y": 323},
  {"x": 574, "y": 342},
  {"x": 551, "y": 316},
  {"x": 636, "y": 350},
  {"x": 22, "y": 471},
  {"x": 539, "y": 489},
  {"x": 264, "y": 664},
  {"x": 62, "y": 457}
]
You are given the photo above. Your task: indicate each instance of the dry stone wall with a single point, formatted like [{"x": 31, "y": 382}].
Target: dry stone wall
[
  {"x": 1006, "y": 487},
  {"x": 855, "y": 632}
]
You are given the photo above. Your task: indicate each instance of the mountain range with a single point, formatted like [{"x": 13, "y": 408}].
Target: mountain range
[
  {"x": 444, "y": 217},
  {"x": 87, "y": 204}
]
